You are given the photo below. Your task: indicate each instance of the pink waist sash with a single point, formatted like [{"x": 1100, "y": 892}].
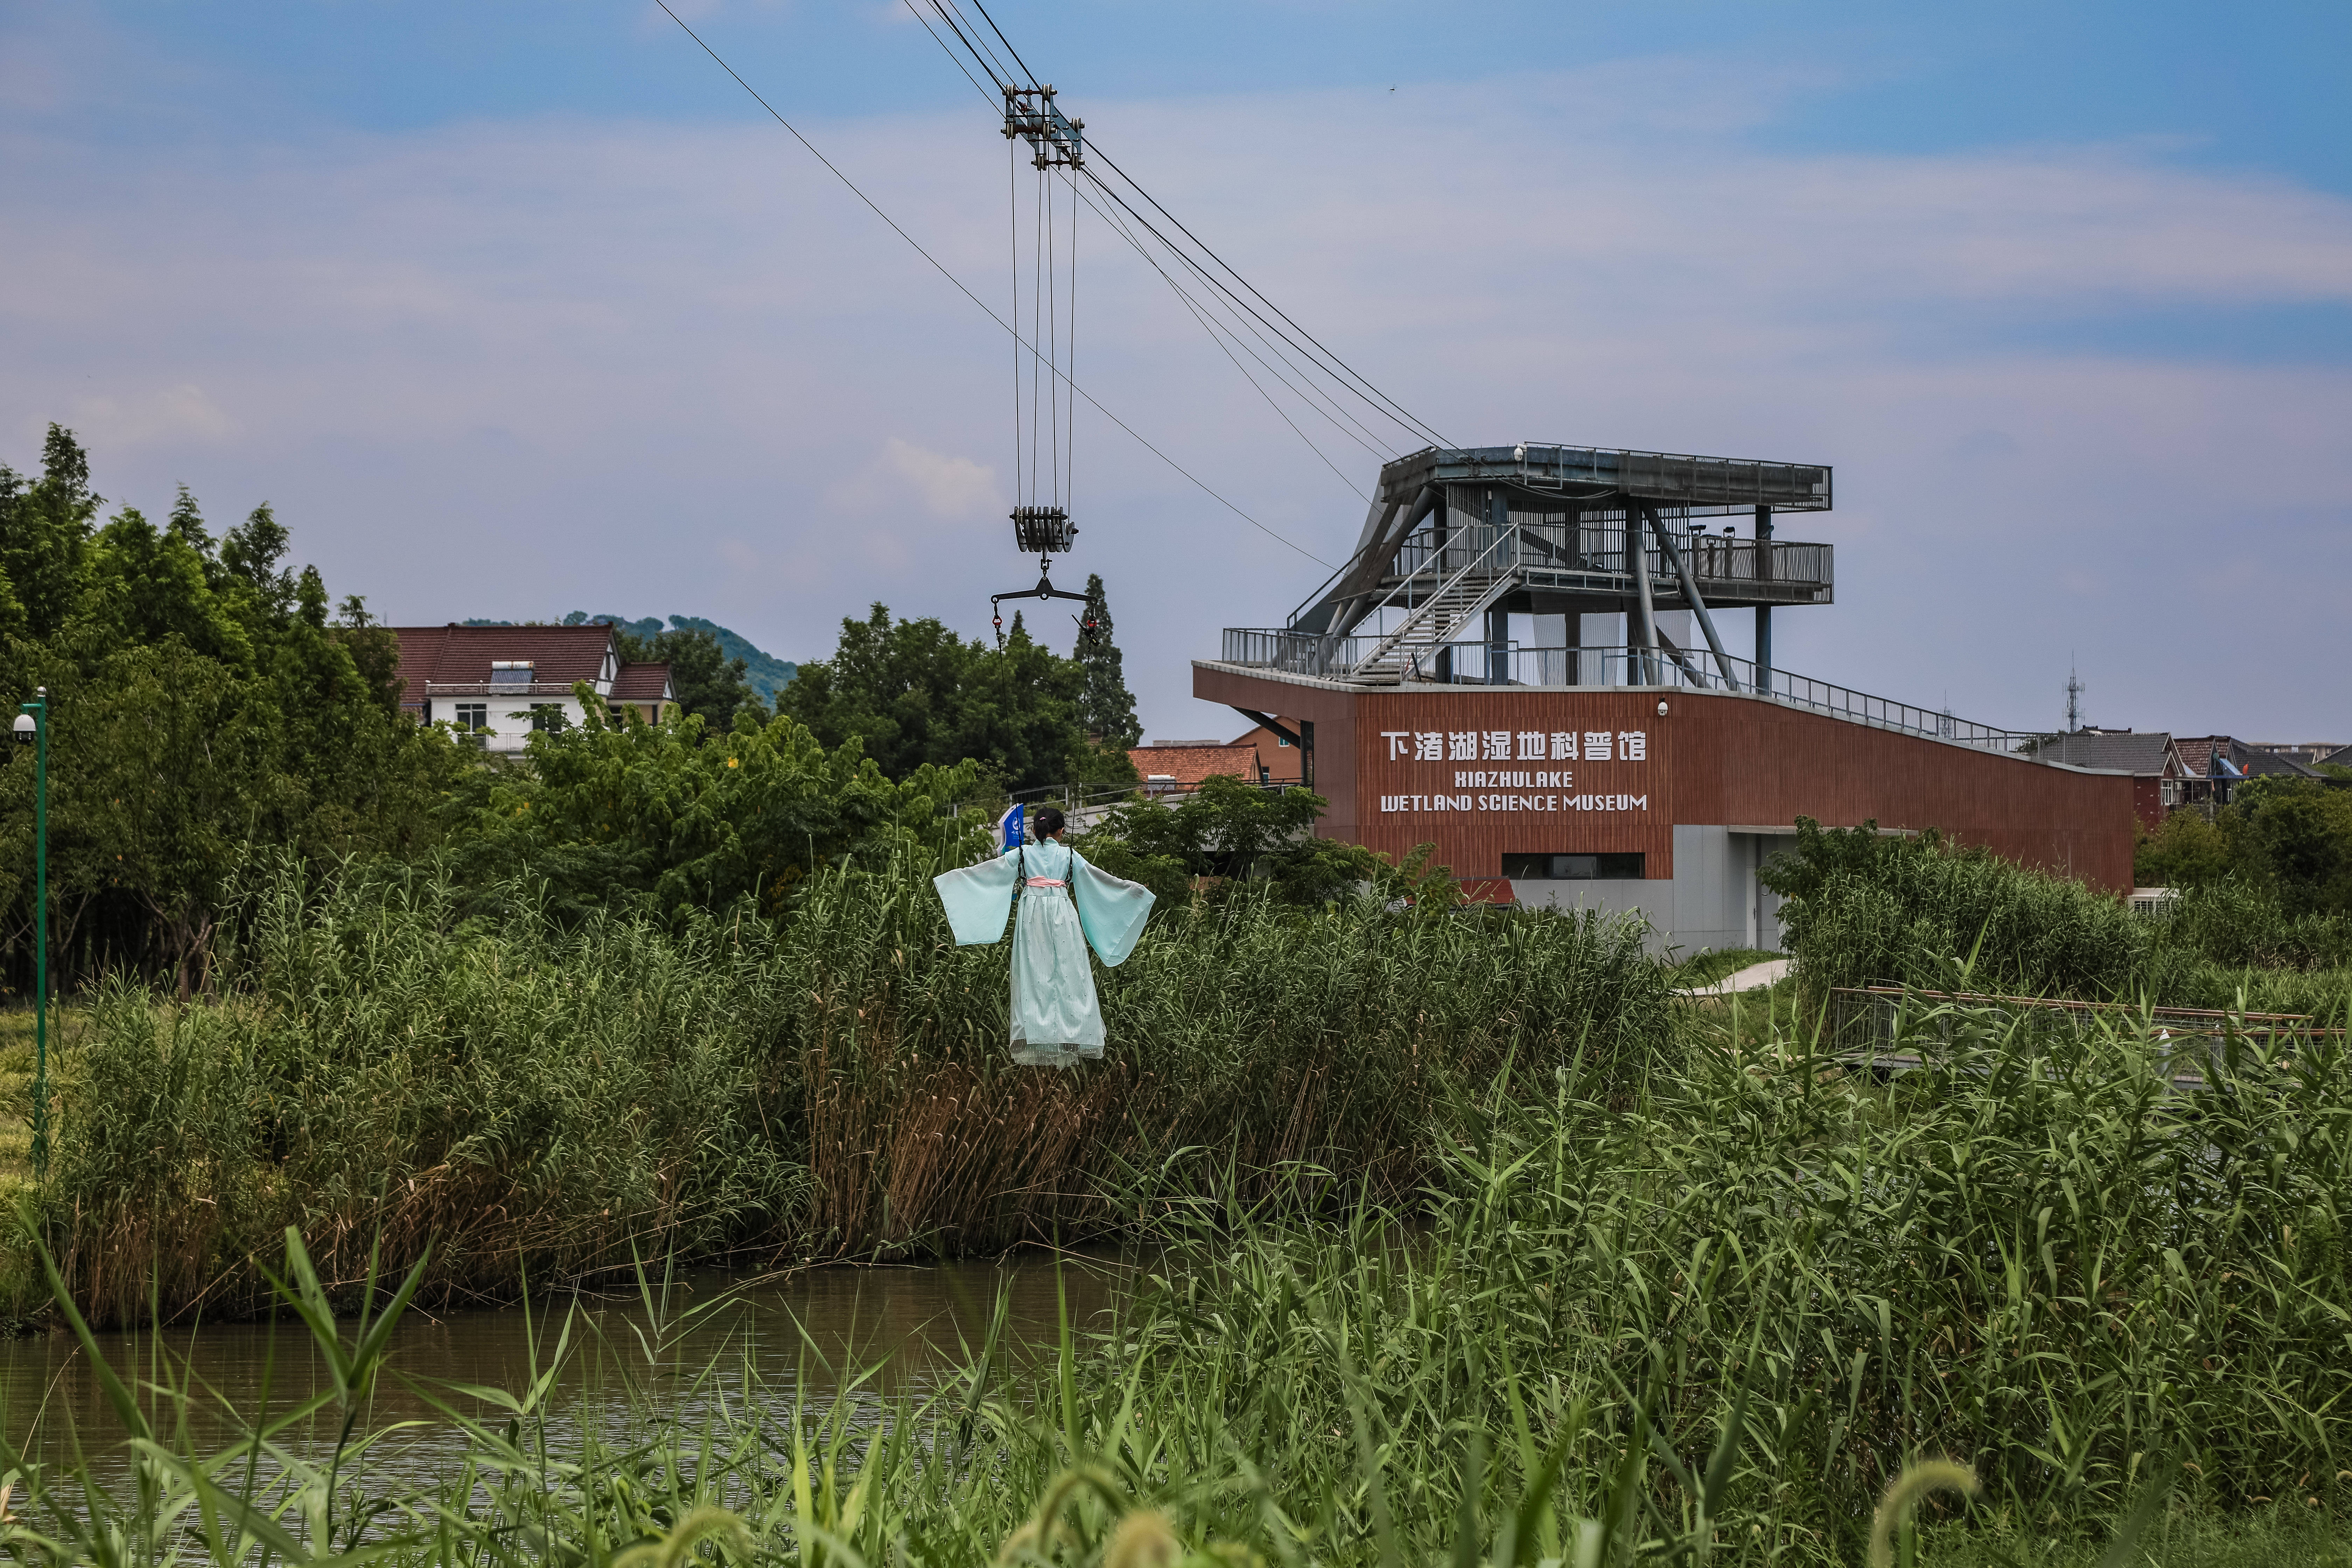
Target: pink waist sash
[{"x": 1046, "y": 882}]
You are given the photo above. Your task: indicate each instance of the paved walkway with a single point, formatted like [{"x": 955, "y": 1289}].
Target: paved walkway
[{"x": 1755, "y": 975}]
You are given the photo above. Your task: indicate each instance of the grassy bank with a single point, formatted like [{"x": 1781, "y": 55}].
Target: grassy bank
[
  {"x": 1711, "y": 1322},
  {"x": 389, "y": 1063}
]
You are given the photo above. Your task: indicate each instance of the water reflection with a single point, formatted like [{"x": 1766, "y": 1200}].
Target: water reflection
[{"x": 711, "y": 1337}]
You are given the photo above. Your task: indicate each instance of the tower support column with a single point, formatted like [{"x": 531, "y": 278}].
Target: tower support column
[
  {"x": 1764, "y": 611},
  {"x": 1499, "y": 620},
  {"x": 1645, "y": 620}
]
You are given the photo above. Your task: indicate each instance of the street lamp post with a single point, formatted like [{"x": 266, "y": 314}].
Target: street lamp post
[{"x": 33, "y": 724}]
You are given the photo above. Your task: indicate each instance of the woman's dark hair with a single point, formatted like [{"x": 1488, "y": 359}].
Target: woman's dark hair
[{"x": 1047, "y": 823}]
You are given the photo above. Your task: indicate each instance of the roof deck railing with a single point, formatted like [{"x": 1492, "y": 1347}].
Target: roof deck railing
[
  {"x": 1484, "y": 664},
  {"x": 498, "y": 688}
]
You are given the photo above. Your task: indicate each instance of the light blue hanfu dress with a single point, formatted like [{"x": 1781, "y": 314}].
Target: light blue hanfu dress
[{"x": 1065, "y": 904}]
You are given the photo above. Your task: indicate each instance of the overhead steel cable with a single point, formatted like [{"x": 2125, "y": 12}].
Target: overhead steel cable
[
  {"x": 1215, "y": 337},
  {"x": 1356, "y": 385},
  {"x": 1006, "y": 42},
  {"x": 874, "y": 207},
  {"x": 1339, "y": 420},
  {"x": 1333, "y": 413},
  {"x": 1307, "y": 345}
]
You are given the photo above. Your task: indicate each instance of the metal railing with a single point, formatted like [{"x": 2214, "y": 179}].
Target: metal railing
[
  {"x": 1484, "y": 664},
  {"x": 1556, "y": 551},
  {"x": 1898, "y": 1028},
  {"x": 1725, "y": 566}
]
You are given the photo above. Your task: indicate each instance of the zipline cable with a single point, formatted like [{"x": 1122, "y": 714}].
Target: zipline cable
[
  {"x": 1305, "y": 344},
  {"x": 1215, "y": 337},
  {"x": 1331, "y": 413},
  {"x": 1075, "y": 390}
]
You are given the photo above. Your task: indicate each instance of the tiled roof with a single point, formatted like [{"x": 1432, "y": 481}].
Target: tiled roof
[
  {"x": 2198, "y": 753},
  {"x": 2141, "y": 753},
  {"x": 2260, "y": 762},
  {"x": 453, "y": 655},
  {"x": 1191, "y": 764},
  {"x": 642, "y": 683}
]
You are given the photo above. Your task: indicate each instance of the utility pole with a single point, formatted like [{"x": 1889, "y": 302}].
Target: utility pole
[{"x": 33, "y": 724}]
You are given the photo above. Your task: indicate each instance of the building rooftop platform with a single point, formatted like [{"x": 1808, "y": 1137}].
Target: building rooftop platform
[{"x": 1704, "y": 485}]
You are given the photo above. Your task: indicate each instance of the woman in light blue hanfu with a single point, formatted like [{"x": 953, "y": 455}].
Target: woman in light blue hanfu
[{"x": 1065, "y": 904}]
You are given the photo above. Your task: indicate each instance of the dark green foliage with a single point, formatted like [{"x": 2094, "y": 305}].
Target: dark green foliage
[
  {"x": 665, "y": 820},
  {"x": 201, "y": 703},
  {"x": 1231, "y": 829},
  {"x": 44, "y": 528},
  {"x": 2188, "y": 849},
  {"x": 2296, "y": 835},
  {"x": 2291, "y": 836},
  {"x": 1106, "y": 707},
  {"x": 914, "y": 692},
  {"x": 707, "y": 684}
]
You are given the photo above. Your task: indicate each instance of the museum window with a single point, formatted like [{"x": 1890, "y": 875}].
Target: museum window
[{"x": 1614, "y": 867}]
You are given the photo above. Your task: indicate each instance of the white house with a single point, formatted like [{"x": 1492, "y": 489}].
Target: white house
[{"x": 498, "y": 684}]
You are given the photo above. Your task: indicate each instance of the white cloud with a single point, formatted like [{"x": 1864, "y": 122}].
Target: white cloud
[
  {"x": 684, "y": 364},
  {"x": 950, "y": 488}
]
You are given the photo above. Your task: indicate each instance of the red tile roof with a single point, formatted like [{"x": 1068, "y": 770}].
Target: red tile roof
[
  {"x": 453, "y": 655},
  {"x": 642, "y": 683},
  {"x": 1191, "y": 764}
]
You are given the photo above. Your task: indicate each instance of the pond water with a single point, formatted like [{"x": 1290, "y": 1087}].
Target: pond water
[{"x": 711, "y": 1337}]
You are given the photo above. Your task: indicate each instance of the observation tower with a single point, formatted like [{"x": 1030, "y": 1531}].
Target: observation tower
[{"x": 1458, "y": 540}]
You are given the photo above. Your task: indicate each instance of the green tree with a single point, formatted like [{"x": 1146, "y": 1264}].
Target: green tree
[
  {"x": 665, "y": 818},
  {"x": 2296, "y": 834},
  {"x": 1106, "y": 707},
  {"x": 144, "y": 585},
  {"x": 1233, "y": 831},
  {"x": 709, "y": 685},
  {"x": 915, "y": 693},
  {"x": 44, "y": 528},
  {"x": 2186, "y": 850},
  {"x": 201, "y": 706}
]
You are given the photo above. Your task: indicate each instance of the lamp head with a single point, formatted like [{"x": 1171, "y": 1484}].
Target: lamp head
[
  {"x": 1662, "y": 707},
  {"x": 25, "y": 727}
]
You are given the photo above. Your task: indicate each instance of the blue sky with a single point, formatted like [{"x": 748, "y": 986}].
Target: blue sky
[{"x": 511, "y": 310}]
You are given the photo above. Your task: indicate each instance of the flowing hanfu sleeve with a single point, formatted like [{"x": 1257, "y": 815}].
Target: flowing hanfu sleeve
[
  {"x": 978, "y": 897},
  {"x": 1111, "y": 910}
]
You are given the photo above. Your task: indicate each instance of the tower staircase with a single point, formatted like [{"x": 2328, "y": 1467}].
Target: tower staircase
[{"x": 1459, "y": 602}]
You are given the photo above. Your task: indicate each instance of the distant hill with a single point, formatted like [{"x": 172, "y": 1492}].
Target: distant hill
[{"x": 766, "y": 672}]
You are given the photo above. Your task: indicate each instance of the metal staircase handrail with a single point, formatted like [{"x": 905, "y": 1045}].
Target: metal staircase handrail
[{"x": 1413, "y": 618}]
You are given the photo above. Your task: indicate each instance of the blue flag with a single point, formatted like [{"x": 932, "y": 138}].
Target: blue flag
[{"x": 1013, "y": 828}]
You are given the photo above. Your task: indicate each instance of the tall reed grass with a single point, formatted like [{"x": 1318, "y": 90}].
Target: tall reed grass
[
  {"x": 1895, "y": 911},
  {"x": 387, "y": 1066},
  {"x": 1727, "y": 1321}
]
